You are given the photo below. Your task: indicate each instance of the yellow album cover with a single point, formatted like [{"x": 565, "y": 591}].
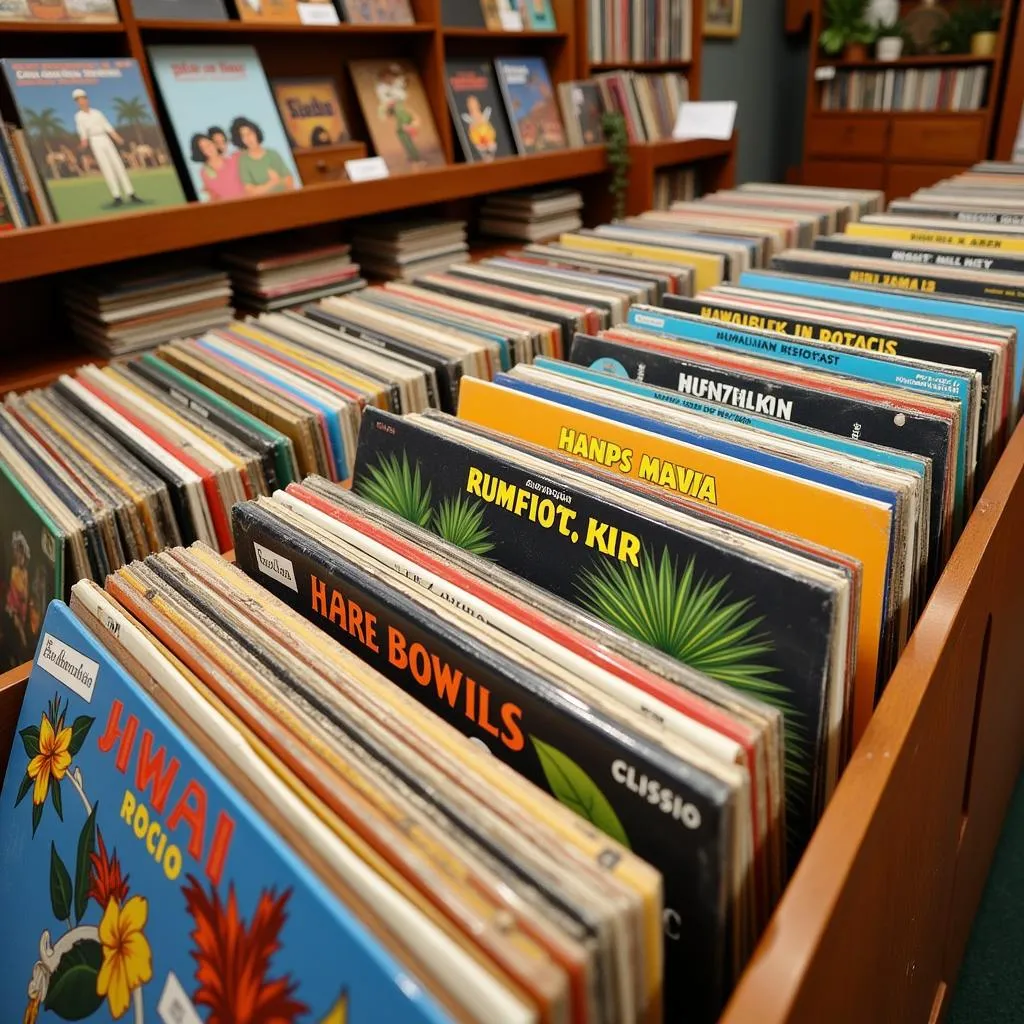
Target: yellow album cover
[
  {"x": 310, "y": 112},
  {"x": 851, "y": 524},
  {"x": 937, "y": 236},
  {"x": 708, "y": 269}
]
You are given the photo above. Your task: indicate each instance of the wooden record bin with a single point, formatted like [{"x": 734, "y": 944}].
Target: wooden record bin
[{"x": 873, "y": 925}]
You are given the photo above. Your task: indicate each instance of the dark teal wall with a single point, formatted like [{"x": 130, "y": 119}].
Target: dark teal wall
[{"x": 765, "y": 71}]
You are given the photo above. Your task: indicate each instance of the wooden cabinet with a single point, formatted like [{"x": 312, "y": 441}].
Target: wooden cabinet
[{"x": 900, "y": 125}]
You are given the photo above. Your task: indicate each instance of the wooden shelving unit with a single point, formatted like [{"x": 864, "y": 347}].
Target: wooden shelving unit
[{"x": 897, "y": 151}]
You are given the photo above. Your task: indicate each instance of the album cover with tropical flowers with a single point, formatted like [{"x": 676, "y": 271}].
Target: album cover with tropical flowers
[{"x": 137, "y": 885}]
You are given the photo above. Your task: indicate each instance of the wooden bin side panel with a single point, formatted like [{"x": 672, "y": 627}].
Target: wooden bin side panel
[{"x": 861, "y": 933}]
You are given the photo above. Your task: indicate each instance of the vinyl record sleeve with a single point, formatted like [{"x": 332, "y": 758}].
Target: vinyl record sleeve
[
  {"x": 519, "y": 715},
  {"x": 80, "y": 697}
]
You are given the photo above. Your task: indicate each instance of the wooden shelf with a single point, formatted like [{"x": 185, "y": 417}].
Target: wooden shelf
[
  {"x": 640, "y": 65},
  {"x": 246, "y": 27},
  {"x": 487, "y": 33},
  {"x": 48, "y": 27},
  {"x": 34, "y": 252},
  {"x": 919, "y": 60},
  {"x": 26, "y": 371},
  {"x": 670, "y": 152}
]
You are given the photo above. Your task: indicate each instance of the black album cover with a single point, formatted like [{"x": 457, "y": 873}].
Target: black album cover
[
  {"x": 809, "y": 406},
  {"x": 920, "y": 254},
  {"x": 813, "y": 325},
  {"x": 679, "y": 823},
  {"x": 656, "y": 582},
  {"x": 477, "y": 110}
]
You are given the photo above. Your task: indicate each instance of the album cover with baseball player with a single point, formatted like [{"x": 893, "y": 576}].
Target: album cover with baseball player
[{"x": 93, "y": 135}]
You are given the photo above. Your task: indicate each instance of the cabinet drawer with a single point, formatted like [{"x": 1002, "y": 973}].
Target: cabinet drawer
[
  {"x": 907, "y": 178},
  {"x": 938, "y": 140},
  {"x": 327, "y": 163},
  {"x": 847, "y": 136},
  {"x": 843, "y": 174}
]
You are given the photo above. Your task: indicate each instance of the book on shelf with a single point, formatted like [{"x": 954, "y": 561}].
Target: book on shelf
[
  {"x": 649, "y": 103},
  {"x": 180, "y": 10},
  {"x": 531, "y": 104},
  {"x": 70, "y": 11},
  {"x": 226, "y": 123},
  {"x": 633, "y": 31},
  {"x": 582, "y": 110},
  {"x": 477, "y": 109},
  {"x": 311, "y": 112},
  {"x": 397, "y": 113},
  {"x": 95, "y": 143},
  {"x": 377, "y": 12}
]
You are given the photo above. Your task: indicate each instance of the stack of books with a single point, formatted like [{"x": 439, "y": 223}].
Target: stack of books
[
  {"x": 277, "y": 273},
  {"x": 402, "y": 250},
  {"x": 531, "y": 216},
  {"x": 123, "y": 308},
  {"x": 648, "y": 103}
]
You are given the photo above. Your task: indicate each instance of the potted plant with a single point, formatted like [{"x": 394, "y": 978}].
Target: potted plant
[
  {"x": 846, "y": 32},
  {"x": 889, "y": 45},
  {"x": 986, "y": 30}
]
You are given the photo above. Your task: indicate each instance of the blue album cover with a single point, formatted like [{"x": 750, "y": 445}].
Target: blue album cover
[
  {"x": 905, "y": 302},
  {"x": 225, "y": 119},
  {"x": 136, "y": 884},
  {"x": 864, "y": 366}
]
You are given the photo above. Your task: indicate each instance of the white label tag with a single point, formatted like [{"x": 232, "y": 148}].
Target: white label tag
[
  {"x": 175, "y": 1007},
  {"x": 318, "y": 14},
  {"x": 825, "y": 74},
  {"x": 367, "y": 169},
  {"x": 511, "y": 21},
  {"x": 66, "y": 665},
  {"x": 706, "y": 120},
  {"x": 275, "y": 566}
]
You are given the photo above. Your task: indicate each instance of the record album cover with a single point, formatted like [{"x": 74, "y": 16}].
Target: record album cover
[
  {"x": 398, "y": 114},
  {"x": 225, "y": 120},
  {"x": 310, "y": 112},
  {"x": 477, "y": 110},
  {"x": 378, "y": 12},
  {"x": 531, "y": 104},
  {"x": 93, "y": 136},
  {"x": 137, "y": 884}
]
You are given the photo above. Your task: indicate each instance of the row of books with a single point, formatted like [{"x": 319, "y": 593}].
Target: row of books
[
  {"x": 648, "y": 103},
  {"x": 675, "y": 185},
  {"x": 906, "y": 89},
  {"x": 706, "y": 466},
  {"x": 639, "y": 30}
]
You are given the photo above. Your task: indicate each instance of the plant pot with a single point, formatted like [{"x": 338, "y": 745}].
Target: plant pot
[
  {"x": 889, "y": 48},
  {"x": 855, "y": 51},
  {"x": 983, "y": 44}
]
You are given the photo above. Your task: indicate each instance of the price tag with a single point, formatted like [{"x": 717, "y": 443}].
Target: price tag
[
  {"x": 824, "y": 74},
  {"x": 367, "y": 169},
  {"x": 318, "y": 14}
]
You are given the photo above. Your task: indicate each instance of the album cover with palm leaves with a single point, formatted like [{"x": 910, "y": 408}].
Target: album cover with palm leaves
[
  {"x": 673, "y": 814},
  {"x": 747, "y": 621},
  {"x": 136, "y": 884}
]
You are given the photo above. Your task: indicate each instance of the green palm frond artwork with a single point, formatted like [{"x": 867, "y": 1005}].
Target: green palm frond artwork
[
  {"x": 460, "y": 521},
  {"x": 395, "y": 485},
  {"x": 693, "y": 620}
]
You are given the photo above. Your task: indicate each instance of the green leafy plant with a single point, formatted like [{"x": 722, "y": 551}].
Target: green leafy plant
[
  {"x": 966, "y": 20},
  {"x": 397, "y": 486},
  {"x": 460, "y": 521},
  {"x": 616, "y": 142},
  {"x": 845, "y": 24},
  {"x": 574, "y": 788}
]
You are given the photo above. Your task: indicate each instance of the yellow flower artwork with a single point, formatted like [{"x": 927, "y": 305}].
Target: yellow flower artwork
[
  {"x": 52, "y": 760},
  {"x": 127, "y": 960}
]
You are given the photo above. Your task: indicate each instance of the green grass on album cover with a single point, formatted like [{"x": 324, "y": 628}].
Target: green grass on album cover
[{"x": 87, "y": 197}]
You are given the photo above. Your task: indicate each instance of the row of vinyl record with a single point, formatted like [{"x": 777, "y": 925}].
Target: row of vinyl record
[
  {"x": 660, "y": 564},
  {"x": 907, "y": 89},
  {"x": 90, "y": 144}
]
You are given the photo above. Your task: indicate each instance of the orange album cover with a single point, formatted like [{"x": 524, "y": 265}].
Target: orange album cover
[{"x": 310, "y": 112}]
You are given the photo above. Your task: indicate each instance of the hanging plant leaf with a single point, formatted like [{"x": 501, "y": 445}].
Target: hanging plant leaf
[
  {"x": 72, "y": 993},
  {"x": 83, "y": 863},
  {"x": 60, "y": 886},
  {"x": 572, "y": 786},
  {"x": 79, "y": 730}
]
